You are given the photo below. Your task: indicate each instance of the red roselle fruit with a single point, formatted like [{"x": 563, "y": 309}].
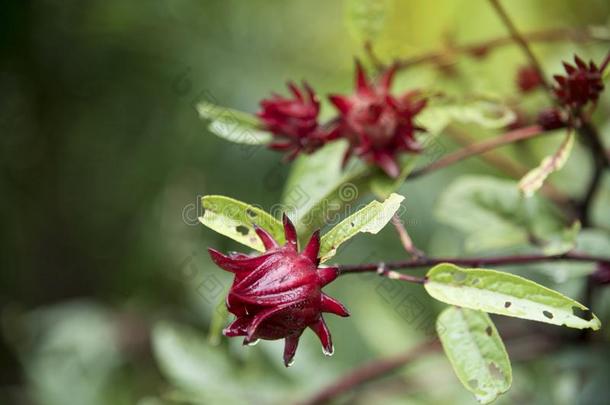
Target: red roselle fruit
[
  {"x": 581, "y": 84},
  {"x": 293, "y": 121},
  {"x": 277, "y": 294},
  {"x": 528, "y": 79},
  {"x": 377, "y": 124}
]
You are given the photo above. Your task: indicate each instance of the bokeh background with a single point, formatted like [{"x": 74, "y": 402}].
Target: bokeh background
[{"x": 103, "y": 160}]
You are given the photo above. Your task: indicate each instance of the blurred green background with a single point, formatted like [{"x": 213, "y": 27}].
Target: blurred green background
[{"x": 104, "y": 159}]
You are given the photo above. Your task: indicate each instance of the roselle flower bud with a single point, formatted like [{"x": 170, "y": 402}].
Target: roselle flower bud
[
  {"x": 377, "y": 124},
  {"x": 580, "y": 85},
  {"x": 552, "y": 118},
  {"x": 528, "y": 79},
  {"x": 293, "y": 121},
  {"x": 277, "y": 294}
]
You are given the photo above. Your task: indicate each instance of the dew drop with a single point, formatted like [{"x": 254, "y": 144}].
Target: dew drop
[
  {"x": 253, "y": 343},
  {"x": 290, "y": 363},
  {"x": 328, "y": 353}
]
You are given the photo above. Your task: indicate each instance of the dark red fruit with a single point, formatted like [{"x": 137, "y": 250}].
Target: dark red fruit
[
  {"x": 377, "y": 124},
  {"x": 277, "y": 294},
  {"x": 552, "y": 118},
  {"x": 293, "y": 121},
  {"x": 581, "y": 84},
  {"x": 528, "y": 79}
]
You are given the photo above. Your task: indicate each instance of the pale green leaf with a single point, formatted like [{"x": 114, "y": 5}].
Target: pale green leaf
[
  {"x": 506, "y": 294},
  {"x": 233, "y": 125},
  {"x": 236, "y": 220},
  {"x": 371, "y": 218},
  {"x": 494, "y": 214},
  {"x": 564, "y": 241},
  {"x": 487, "y": 114},
  {"x": 535, "y": 178},
  {"x": 318, "y": 187},
  {"x": 476, "y": 352}
]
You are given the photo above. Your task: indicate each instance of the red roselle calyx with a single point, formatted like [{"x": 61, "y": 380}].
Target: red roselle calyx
[
  {"x": 277, "y": 294},
  {"x": 377, "y": 124},
  {"x": 293, "y": 121},
  {"x": 528, "y": 79},
  {"x": 581, "y": 84}
]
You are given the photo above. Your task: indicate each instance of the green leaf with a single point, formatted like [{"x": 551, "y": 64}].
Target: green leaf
[
  {"x": 371, "y": 218},
  {"x": 506, "y": 294},
  {"x": 382, "y": 185},
  {"x": 366, "y": 18},
  {"x": 494, "y": 214},
  {"x": 487, "y": 114},
  {"x": 192, "y": 365},
  {"x": 535, "y": 178},
  {"x": 236, "y": 220},
  {"x": 233, "y": 125},
  {"x": 563, "y": 241},
  {"x": 476, "y": 352},
  {"x": 318, "y": 187}
]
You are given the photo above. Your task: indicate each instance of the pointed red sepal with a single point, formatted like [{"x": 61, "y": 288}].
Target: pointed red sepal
[
  {"x": 290, "y": 348},
  {"x": 265, "y": 237},
  {"x": 388, "y": 164},
  {"x": 237, "y": 328},
  {"x": 385, "y": 81},
  {"x": 313, "y": 247},
  {"x": 569, "y": 68},
  {"x": 327, "y": 275},
  {"x": 323, "y": 333},
  {"x": 362, "y": 84},
  {"x": 235, "y": 264},
  {"x": 333, "y": 306},
  {"x": 289, "y": 231},
  {"x": 579, "y": 62},
  {"x": 343, "y": 103}
]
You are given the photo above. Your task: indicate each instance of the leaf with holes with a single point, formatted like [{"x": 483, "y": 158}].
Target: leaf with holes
[
  {"x": 236, "y": 220},
  {"x": 506, "y": 294},
  {"x": 232, "y": 125},
  {"x": 535, "y": 178},
  {"x": 371, "y": 218},
  {"x": 476, "y": 352}
]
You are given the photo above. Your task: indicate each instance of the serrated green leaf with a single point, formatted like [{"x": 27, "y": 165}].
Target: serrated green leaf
[
  {"x": 318, "y": 187},
  {"x": 534, "y": 179},
  {"x": 476, "y": 352},
  {"x": 236, "y": 220},
  {"x": 494, "y": 214},
  {"x": 371, "y": 219},
  {"x": 232, "y": 125},
  {"x": 506, "y": 294}
]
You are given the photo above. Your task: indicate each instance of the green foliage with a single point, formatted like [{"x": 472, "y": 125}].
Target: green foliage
[
  {"x": 236, "y": 220},
  {"x": 506, "y": 294},
  {"x": 535, "y": 178},
  {"x": 366, "y": 18},
  {"x": 487, "y": 114},
  {"x": 232, "y": 125},
  {"x": 476, "y": 352},
  {"x": 371, "y": 219},
  {"x": 494, "y": 214},
  {"x": 318, "y": 187}
]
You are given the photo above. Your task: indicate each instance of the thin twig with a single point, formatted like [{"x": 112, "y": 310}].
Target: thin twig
[
  {"x": 520, "y": 39},
  {"x": 383, "y": 271},
  {"x": 477, "y": 48},
  {"x": 405, "y": 239},
  {"x": 371, "y": 371},
  {"x": 479, "y": 148},
  {"x": 474, "y": 261},
  {"x": 509, "y": 166}
]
